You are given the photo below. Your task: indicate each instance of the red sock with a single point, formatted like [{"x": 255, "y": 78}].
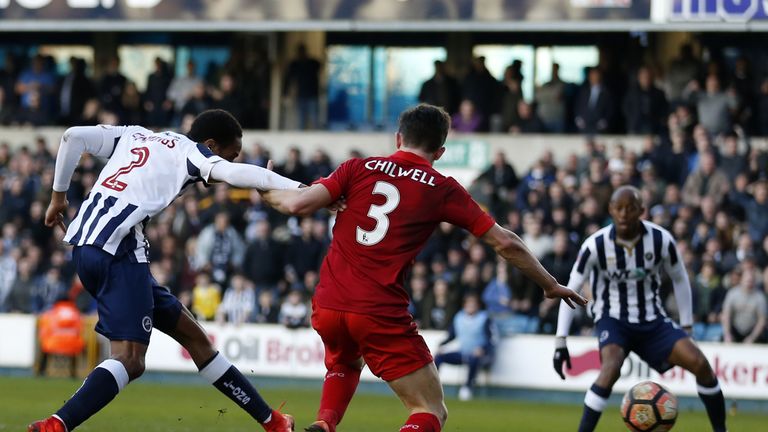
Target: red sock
[
  {"x": 421, "y": 422},
  {"x": 338, "y": 388}
]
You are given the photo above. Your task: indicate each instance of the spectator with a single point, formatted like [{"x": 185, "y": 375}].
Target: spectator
[
  {"x": 33, "y": 113},
  {"x": 76, "y": 89},
  {"x": 502, "y": 179},
  {"x": 60, "y": 333},
  {"x": 550, "y": 102},
  {"x": 206, "y": 297},
  {"x": 36, "y": 84},
  {"x": 756, "y": 210},
  {"x": 293, "y": 167},
  {"x": 305, "y": 252},
  {"x": 266, "y": 312},
  {"x": 473, "y": 329},
  {"x": 47, "y": 290},
  {"x": 594, "y": 105},
  {"x": 645, "y": 107},
  {"x": 527, "y": 121},
  {"x": 264, "y": 257},
  {"x": 197, "y": 102},
  {"x": 439, "y": 307},
  {"x": 112, "y": 86},
  {"x": 229, "y": 97},
  {"x": 481, "y": 88},
  {"x": 183, "y": 88},
  {"x": 682, "y": 71},
  {"x": 714, "y": 107},
  {"x": 744, "y": 312},
  {"x": 132, "y": 112},
  {"x": 510, "y": 100},
  {"x": 441, "y": 90},
  {"x": 762, "y": 109},
  {"x": 319, "y": 166},
  {"x": 732, "y": 163},
  {"x": 294, "y": 312},
  {"x": 9, "y": 74},
  {"x": 7, "y": 276},
  {"x": 156, "y": 104},
  {"x": 302, "y": 83},
  {"x": 19, "y": 299},
  {"x": 497, "y": 297},
  {"x": 706, "y": 181},
  {"x": 467, "y": 119},
  {"x": 7, "y": 109},
  {"x": 239, "y": 302},
  {"x": 219, "y": 248}
]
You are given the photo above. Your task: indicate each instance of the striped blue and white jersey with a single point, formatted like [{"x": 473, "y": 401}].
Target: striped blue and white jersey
[
  {"x": 145, "y": 172},
  {"x": 626, "y": 278}
]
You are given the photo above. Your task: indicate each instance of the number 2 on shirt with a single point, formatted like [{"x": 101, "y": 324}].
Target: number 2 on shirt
[
  {"x": 379, "y": 214},
  {"x": 112, "y": 181}
]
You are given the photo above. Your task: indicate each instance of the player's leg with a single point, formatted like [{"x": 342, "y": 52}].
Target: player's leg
[
  {"x": 452, "y": 358},
  {"x": 688, "y": 356},
  {"x": 611, "y": 358},
  {"x": 343, "y": 363},
  {"x": 394, "y": 351},
  {"x": 176, "y": 321},
  {"x": 613, "y": 338},
  {"x": 422, "y": 395},
  {"x": 124, "y": 300}
]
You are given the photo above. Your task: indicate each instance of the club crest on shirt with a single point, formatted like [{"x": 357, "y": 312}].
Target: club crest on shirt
[
  {"x": 604, "y": 335},
  {"x": 649, "y": 256}
]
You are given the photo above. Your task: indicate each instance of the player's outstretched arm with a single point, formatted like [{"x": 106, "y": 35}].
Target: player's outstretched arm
[
  {"x": 510, "y": 247},
  {"x": 248, "y": 176},
  {"x": 304, "y": 201}
]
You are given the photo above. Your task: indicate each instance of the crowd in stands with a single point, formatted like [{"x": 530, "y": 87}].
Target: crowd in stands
[
  {"x": 33, "y": 93},
  {"x": 228, "y": 257},
  {"x": 611, "y": 99}
]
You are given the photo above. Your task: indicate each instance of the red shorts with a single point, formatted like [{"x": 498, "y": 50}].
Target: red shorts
[{"x": 391, "y": 347}]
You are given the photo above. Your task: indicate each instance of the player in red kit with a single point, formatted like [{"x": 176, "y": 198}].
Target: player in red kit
[{"x": 359, "y": 308}]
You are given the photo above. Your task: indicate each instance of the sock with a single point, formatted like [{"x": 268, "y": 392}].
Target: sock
[
  {"x": 714, "y": 402},
  {"x": 421, "y": 422},
  {"x": 594, "y": 404},
  {"x": 228, "y": 380},
  {"x": 338, "y": 388},
  {"x": 98, "y": 389}
]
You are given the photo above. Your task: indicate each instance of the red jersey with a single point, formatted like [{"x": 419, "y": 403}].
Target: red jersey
[{"x": 393, "y": 205}]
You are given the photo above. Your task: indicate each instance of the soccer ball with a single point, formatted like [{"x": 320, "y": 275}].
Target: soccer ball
[{"x": 649, "y": 407}]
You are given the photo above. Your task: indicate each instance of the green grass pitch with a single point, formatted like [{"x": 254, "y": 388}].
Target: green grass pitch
[{"x": 149, "y": 407}]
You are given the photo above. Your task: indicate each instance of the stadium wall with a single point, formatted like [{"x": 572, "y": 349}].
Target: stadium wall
[{"x": 522, "y": 361}]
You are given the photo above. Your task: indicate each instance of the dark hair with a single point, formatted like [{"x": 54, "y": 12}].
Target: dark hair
[
  {"x": 215, "y": 124},
  {"x": 424, "y": 127}
]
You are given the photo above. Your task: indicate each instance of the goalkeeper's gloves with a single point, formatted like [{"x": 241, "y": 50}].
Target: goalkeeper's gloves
[{"x": 561, "y": 355}]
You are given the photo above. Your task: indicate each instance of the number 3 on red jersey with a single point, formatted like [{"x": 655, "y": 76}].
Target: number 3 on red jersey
[{"x": 379, "y": 214}]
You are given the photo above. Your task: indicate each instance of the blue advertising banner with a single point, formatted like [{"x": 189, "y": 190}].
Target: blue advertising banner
[{"x": 718, "y": 10}]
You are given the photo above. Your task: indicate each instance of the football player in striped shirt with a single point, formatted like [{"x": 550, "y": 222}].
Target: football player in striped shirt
[
  {"x": 145, "y": 172},
  {"x": 623, "y": 262}
]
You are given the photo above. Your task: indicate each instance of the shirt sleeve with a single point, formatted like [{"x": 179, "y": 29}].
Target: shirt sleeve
[
  {"x": 99, "y": 141},
  {"x": 581, "y": 269},
  {"x": 461, "y": 210},
  {"x": 338, "y": 182},
  {"x": 200, "y": 162},
  {"x": 673, "y": 264}
]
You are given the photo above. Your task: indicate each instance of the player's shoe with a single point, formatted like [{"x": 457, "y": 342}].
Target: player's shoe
[
  {"x": 319, "y": 426},
  {"x": 279, "y": 423},
  {"x": 51, "y": 424}
]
